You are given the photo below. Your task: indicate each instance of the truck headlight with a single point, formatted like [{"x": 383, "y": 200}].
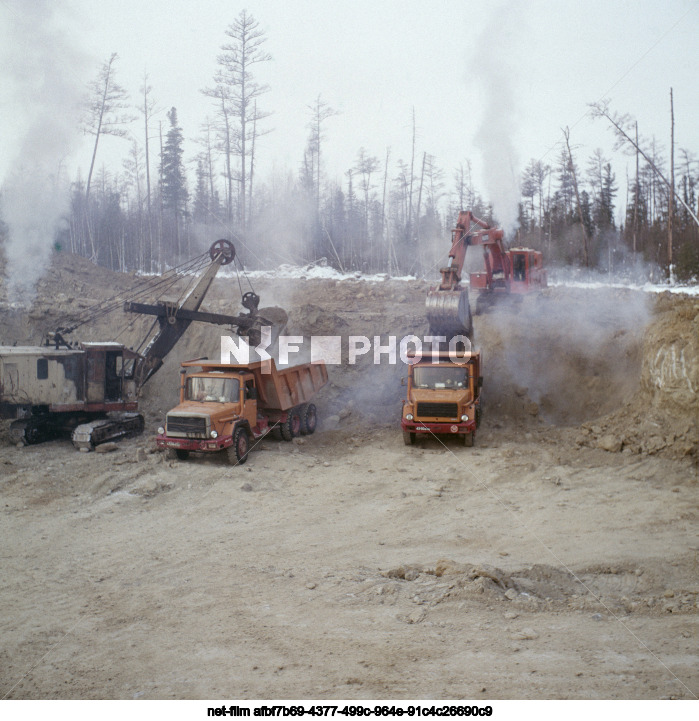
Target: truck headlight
[
  {"x": 214, "y": 434},
  {"x": 161, "y": 430},
  {"x": 464, "y": 417},
  {"x": 409, "y": 417}
]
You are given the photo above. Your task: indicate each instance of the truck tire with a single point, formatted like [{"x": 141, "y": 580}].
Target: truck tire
[
  {"x": 408, "y": 438},
  {"x": 291, "y": 427},
  {"x": 238, "y": 452},
  {"x": 468, "y": 439},
  {"x": 309, "y": 419},
  {"x": 277, "y": 433}
]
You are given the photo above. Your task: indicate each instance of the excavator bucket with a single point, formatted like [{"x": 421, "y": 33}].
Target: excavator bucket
[
  {"x": 449, "y": 313},
  {"x": 273, "y": 317}
]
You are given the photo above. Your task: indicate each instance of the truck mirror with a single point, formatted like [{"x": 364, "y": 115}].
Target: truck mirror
[
  {"x": 402, "y": 381},
  {"x": 252, "y": 394},
  {"x": 480, "y": 381}
]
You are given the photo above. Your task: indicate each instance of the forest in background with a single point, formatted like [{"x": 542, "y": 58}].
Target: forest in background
[{"x": 388, "y": 214}]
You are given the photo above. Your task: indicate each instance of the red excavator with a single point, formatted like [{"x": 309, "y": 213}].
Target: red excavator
[{"x": 507, "y": 274}]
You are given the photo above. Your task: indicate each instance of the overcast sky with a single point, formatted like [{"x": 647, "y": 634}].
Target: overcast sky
[{"x": 483, "y": 77}]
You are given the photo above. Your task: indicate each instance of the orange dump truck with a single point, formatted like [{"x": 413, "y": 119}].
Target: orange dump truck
[
  {"x": 223, "y": 406},
  {"x": 444, "y": 397}
]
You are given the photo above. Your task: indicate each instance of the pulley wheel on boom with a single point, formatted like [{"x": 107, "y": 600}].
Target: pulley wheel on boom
[
  {"x": 250, "y": 300},
  {"x": 223, "y": 248}
]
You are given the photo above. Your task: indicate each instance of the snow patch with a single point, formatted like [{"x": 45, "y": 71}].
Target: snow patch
[
  {"x": 644, "y": 287},
  {"x": 319, "y": 272}
]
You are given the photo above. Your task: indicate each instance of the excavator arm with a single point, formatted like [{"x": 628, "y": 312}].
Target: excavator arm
[
  {"x": 173, "y": 320},
  {"x": 172, "y": 325},
  {"x": 447, "y": 306}
]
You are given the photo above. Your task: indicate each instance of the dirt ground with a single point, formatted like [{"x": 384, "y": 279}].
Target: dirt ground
[{"x": 558, "y": 558}]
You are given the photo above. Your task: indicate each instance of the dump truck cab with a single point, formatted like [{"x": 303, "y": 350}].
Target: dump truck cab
[
  {"x": 443, "y": 397},
  {"x": 211, "y": 404}
]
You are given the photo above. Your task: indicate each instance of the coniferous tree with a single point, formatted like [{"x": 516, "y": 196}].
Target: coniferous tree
[{"x": 174, "y": 184}]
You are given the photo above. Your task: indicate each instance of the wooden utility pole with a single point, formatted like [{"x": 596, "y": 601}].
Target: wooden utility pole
[
  {"x": 636, "y": 194},
  {"x": 417, "y": 215},
  {"x": 384, "y": 235},
  {"x": 671, "y": 210},
  {"x": 412, "y": 176},
  {"x": 147, "y": 110}
]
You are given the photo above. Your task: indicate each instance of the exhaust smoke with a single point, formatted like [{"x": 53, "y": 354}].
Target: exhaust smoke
[
  {"x": 497, "y": 129},
  {"x": 45, "y": 96}
]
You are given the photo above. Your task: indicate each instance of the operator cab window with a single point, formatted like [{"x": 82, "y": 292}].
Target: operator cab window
[
  {"x": 439, "y": 378},
  {"x": 211, "y": 390},
  {"x": 42, "y": 369},
  {"x": 250, "y": 390},
  {"x": 125, "y": 366}
]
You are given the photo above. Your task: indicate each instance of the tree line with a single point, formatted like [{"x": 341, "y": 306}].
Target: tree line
[{"x": 386, "y": 214}]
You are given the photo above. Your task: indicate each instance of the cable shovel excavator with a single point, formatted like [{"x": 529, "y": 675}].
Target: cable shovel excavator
[
  {"x": 507, "y": 274},
  {"x": 91, "y": 389}
]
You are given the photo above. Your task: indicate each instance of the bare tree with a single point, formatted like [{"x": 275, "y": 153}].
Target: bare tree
[
  {"x": 106, "y": 102},
  {"x": 226, "y": 139},
  {"x": 147, "y": 109},
  {"x": 463, "y": 185},
  {"x": 622, "y": 127},
  {"x": 586, "y": 259},
  {"x": 366, "y": 166},
  {"x": 236, "y": 91},
  {"x": 320, "y": 112}
]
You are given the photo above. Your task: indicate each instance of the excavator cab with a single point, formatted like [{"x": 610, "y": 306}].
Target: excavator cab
[
  {"x": 519, "y": 267},
  {"x": 527, "y": 270},
  {"x": 109, "y": 375}
]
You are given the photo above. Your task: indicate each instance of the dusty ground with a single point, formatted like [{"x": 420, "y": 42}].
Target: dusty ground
[{"x": 535, "y": 565}]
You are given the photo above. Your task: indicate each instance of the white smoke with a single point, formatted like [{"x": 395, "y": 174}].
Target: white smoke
[
  {"x": 43, "y": 97},
  {"x": 495, "y": 99}
]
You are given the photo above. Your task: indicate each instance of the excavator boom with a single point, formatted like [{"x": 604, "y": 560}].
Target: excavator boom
[{"x": 62, "y": 387}]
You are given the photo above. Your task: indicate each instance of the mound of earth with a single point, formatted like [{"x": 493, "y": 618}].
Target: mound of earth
[{"x": 662, "y": 416}]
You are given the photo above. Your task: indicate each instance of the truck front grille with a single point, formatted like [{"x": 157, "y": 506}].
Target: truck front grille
[
  {"x": 190, "y": 426},
  {"x": 437, "y": 410}
]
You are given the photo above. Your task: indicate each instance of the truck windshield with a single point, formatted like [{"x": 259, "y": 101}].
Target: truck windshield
[
  {"x": 219, "y": 390},
  {"x": 449, "y": 376}
]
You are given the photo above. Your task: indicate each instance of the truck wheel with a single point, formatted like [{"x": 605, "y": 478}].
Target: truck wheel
[
  {"x": 408, "y": 438},
  {"x": 309, "y": 419},
  {"x": 468, "y": 439},
  {"x": 238, "y": 452},
  {"x": 292, "y": 425}
]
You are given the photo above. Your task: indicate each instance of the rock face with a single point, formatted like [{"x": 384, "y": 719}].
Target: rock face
[
  {"x": 662, "y": 417},
  {"x": 670, "y": 372}
]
